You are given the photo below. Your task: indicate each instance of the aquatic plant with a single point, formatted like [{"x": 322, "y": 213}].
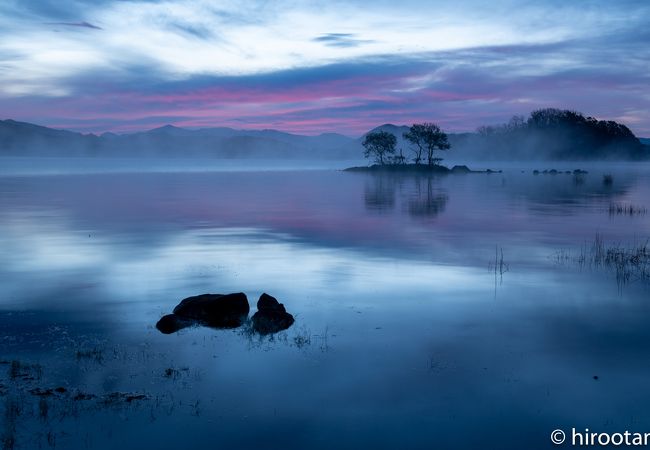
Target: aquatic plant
[
  {"x": 622, "y": 209},
  {"x": 629, "y": 263}
]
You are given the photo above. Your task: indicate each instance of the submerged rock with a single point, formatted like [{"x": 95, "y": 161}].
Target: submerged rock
[{"x": 271, "y": 316}]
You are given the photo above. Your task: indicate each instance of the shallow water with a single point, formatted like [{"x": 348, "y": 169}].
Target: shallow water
[{"x": 442, "y": 312}]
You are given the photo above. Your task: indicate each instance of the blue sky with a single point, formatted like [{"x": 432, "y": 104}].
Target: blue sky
[{"x": 312, "y": 67}]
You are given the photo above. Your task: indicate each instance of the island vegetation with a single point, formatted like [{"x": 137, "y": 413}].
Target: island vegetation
[
  {"x": 424, "y": 141},
  {"x": 546, "y": 134},
  {"x": 562, "y": 135}
]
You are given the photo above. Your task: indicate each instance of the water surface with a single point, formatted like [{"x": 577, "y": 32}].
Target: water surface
[{"x": 431, "y": 312}]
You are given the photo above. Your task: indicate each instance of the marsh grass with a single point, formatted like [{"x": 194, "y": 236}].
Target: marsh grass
[
  {"x": 95, "y": 354},
  {"x": 499, "y": 267},
  {"x": 629, "y": 263},
  {"x": 302, "y": 338},
  {"x": 623, "y": 209},
  {"x": 25, "y": 372}
]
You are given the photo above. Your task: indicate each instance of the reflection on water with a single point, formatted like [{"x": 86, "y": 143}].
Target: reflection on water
[
  {"x": 399, "y": 339},
  {"x": 420, "y": 195}
]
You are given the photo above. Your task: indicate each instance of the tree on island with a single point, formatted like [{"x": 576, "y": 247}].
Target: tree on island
[
  {"x": 426, "y": 138},
  {"x": 380, "y": 145}
]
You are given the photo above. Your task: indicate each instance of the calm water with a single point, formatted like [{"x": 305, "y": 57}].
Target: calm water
[{"x": 405, "y": 337}]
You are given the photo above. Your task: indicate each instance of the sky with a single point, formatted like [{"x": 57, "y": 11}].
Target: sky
[{"x": 311, "y": 67}]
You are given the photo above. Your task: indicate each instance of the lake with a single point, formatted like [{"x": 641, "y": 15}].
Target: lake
[{"x": 459, "y": 311}]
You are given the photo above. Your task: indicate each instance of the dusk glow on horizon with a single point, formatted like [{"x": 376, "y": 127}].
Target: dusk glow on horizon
[{"x": 317, "y": 67}]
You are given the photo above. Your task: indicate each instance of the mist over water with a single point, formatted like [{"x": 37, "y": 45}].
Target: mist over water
[{"x": 431, "y": 311}]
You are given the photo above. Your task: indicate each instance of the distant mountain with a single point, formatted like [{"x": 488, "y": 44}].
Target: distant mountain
[
  {"x": 397, "y": 130},
  {"x": 548, "y": 134},
  {"x": 25, "y": 139},
  {"x": 20, "y": 138}
]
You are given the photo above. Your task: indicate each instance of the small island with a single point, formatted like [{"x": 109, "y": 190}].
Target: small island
[
  {"x": 550, "y": 134},
  {"x": 424, "y": 139}
]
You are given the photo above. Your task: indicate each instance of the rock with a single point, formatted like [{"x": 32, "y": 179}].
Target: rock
[
  {"x": 83, "y": 396},
  {"x": 117, "y": 397},
  {"x": 41, "y": 392},
  {"x": 460, "y": 169},
  {"x": 266, "y": 303},
  {"x": 171, "y": 323},
  {"x": 213, "y": 310},
  {"x": 216, "y": 310},
  {"x": 271, "y": 316}
]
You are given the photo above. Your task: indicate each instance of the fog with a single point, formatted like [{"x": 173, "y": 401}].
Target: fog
[{"x": 546, "y": 135}]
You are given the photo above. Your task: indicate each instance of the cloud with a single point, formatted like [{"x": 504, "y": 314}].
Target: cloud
[
  {"x": 340, "y": 40},
  {"x": 76, "y": 24},
  {"x": 321, "y": 66}
]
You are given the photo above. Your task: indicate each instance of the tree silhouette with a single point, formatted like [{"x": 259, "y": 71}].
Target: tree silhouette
[
  {"x": 426, "y": 137},
  {"x": 380, "y": 145},
  {"x": 563, "y": 134}
]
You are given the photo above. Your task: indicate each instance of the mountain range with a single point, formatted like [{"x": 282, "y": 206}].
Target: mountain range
[
  {"x": 26, "y": 139},
  {"x": 20, "y": 139}
]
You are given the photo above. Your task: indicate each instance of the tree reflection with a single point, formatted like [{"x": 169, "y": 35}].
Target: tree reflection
[
  {"x": 419, "y": 196},
  {"x": 429, "y": 200},
  {"x": 379, "y": 193}
]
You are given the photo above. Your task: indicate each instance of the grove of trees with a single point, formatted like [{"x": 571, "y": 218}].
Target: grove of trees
[
  {"x": 562, "y": 134},
  {"x": 424, "y": 140}
]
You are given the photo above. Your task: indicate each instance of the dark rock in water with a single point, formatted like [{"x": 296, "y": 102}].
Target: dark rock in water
[
  {"x": 171, "y": 323},
  {"x": 117, "y": 397},
  {"x": 41, "y": 392},
  {"x": 213, "y": 310},
  {"x": 83, "y": 396},
  {"x": 580, "y": 172},
  {"x": 227, "y": 311},
  {"x": 271, "y": 316},
  {"x": 267, "y": 303},
  {"x": 216, "y": 310},
  {"x": 535, "y": 172},
  {"x": 460, "y": 169}
]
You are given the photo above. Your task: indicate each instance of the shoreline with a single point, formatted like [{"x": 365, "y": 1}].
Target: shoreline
[{"x": 417, "y": 168}]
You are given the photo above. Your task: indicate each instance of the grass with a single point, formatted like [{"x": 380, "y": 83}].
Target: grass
[
  {"x": 95, "y": 354},
  {"x": 629, "y": 263},
  {"x": 302, "y": 338},
  {"x": 622, "y": 209},
  {"x": 26, "y": 372}
]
